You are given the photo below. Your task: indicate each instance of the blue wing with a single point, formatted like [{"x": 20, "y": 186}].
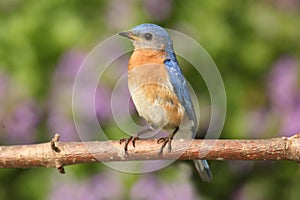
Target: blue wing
[{"x": 180, "y": 88}]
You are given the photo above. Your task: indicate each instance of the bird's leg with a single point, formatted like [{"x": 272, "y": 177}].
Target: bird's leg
[
  {"x": 165, "y": 141},
  {"x": 127, "y": 141},
  {"x": 132, "y": 139}
]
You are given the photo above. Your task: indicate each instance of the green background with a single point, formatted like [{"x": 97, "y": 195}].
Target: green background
[{"x": 255, "y": 44}]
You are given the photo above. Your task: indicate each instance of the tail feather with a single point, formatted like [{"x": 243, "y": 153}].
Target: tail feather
[{"x": 203, "y": 170}]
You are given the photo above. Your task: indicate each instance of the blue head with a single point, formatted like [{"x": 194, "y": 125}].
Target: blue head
[{"x": 152, "y": 36}]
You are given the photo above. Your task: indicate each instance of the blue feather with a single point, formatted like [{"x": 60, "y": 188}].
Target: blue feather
[{"x": 180, "y": 87}]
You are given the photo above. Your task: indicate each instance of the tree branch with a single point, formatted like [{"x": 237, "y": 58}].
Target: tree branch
[{"x": 59, "y": 154}]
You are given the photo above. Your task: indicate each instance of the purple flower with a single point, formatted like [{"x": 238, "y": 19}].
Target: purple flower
[
  {"x": 158, "y": 9},
  {"x": 290, "y": 122},
  {"x": 106, "y": 185},
  {"x": 284, "y": 95},
  {"x": 103, "y": 106},
  {"x": 119, "y": 14},
  {"x": 19, "y": 114},
  {"x": 60, "y": 103},
  {"x": 282, "y": 84},
  {"x": 288, "y": 4},
  {"x": 154, "y": 189},
  {"x": 21, "y": 122},
  {"x": 69, "y": 65},
  {"x": 157, "y": 189}
]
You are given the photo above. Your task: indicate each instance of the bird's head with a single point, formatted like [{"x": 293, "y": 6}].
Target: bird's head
[{"x": 149, "y": 36}]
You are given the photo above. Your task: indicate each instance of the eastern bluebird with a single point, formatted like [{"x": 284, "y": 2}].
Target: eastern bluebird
[{"x": 158, "y": 88}]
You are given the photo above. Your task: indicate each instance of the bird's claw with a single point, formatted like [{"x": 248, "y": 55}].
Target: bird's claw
[
  {"x": 127, "y": 141},
  {"x": 165, "y": 141}
]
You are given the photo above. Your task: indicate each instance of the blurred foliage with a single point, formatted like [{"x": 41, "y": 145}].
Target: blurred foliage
[{"x": 256, "y": 46}]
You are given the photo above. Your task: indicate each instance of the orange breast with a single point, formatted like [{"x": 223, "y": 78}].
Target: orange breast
[
  {"x": 151, "y": 90},
  {"x": 145, "y": 56}
]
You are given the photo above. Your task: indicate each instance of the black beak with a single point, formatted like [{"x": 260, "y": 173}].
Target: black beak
[
  {"x": 125, "y": 34},
  {"x": 128, "y": 34}
]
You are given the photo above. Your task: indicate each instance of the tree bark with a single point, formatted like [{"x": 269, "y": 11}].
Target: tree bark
[{"x": 59, "y": 154}]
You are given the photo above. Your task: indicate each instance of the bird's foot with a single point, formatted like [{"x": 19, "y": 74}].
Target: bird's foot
[
  {"x": 132, "y": 139},
  {"x": 127, "y": 141},
  {"x": 165, "y": 141}
]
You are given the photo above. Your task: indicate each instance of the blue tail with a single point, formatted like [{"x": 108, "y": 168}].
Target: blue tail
[{"x": 203, "y": 170}]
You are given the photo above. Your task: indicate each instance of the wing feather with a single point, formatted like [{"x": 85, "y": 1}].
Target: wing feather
[{"x": 180, "y": 88}]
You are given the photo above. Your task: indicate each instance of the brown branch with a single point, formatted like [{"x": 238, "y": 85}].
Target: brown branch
[{"x": 59, "y": 154}]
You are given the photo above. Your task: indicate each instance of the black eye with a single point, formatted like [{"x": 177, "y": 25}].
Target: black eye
[{"x": 148, "y": 36}]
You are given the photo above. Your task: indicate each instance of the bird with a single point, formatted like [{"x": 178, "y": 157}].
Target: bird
[{"x": 159, "y": 90}]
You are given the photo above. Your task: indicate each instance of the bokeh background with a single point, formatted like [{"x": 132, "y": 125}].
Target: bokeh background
[{"x": 255, "y": 44}]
